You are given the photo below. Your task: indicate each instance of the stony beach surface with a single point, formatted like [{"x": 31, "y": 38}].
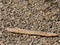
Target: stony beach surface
[{"x": 38, "y": 15}]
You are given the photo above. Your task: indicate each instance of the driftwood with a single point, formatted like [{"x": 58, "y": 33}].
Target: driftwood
[{"x": 30, "y": 32}]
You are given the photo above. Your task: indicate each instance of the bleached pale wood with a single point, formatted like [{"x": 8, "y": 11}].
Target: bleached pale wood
[{"x": 30, "y": 32}]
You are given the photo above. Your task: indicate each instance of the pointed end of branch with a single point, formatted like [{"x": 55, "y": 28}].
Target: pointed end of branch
[{"x": 52, "y": 34}]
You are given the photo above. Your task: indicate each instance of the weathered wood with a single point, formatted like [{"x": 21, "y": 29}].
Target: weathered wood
[{"x": 30, "y": 32}]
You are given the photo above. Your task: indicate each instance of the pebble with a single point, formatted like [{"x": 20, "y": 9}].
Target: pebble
[
  {"x": 1, "y": 5},
  {"x": 0, "y": 33},
  {"x": 59, "y": 41},
  {"x": 34, "y": 36}
]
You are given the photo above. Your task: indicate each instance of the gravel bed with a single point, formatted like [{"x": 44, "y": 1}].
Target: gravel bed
[{"x": 39, "y": 15}]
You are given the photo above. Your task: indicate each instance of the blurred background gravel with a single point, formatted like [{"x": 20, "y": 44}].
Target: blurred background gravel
[{"x": 39, "y": 15}]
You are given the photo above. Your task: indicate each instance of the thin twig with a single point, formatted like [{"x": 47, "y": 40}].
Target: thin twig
[{"x": 23, "y": 31}]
